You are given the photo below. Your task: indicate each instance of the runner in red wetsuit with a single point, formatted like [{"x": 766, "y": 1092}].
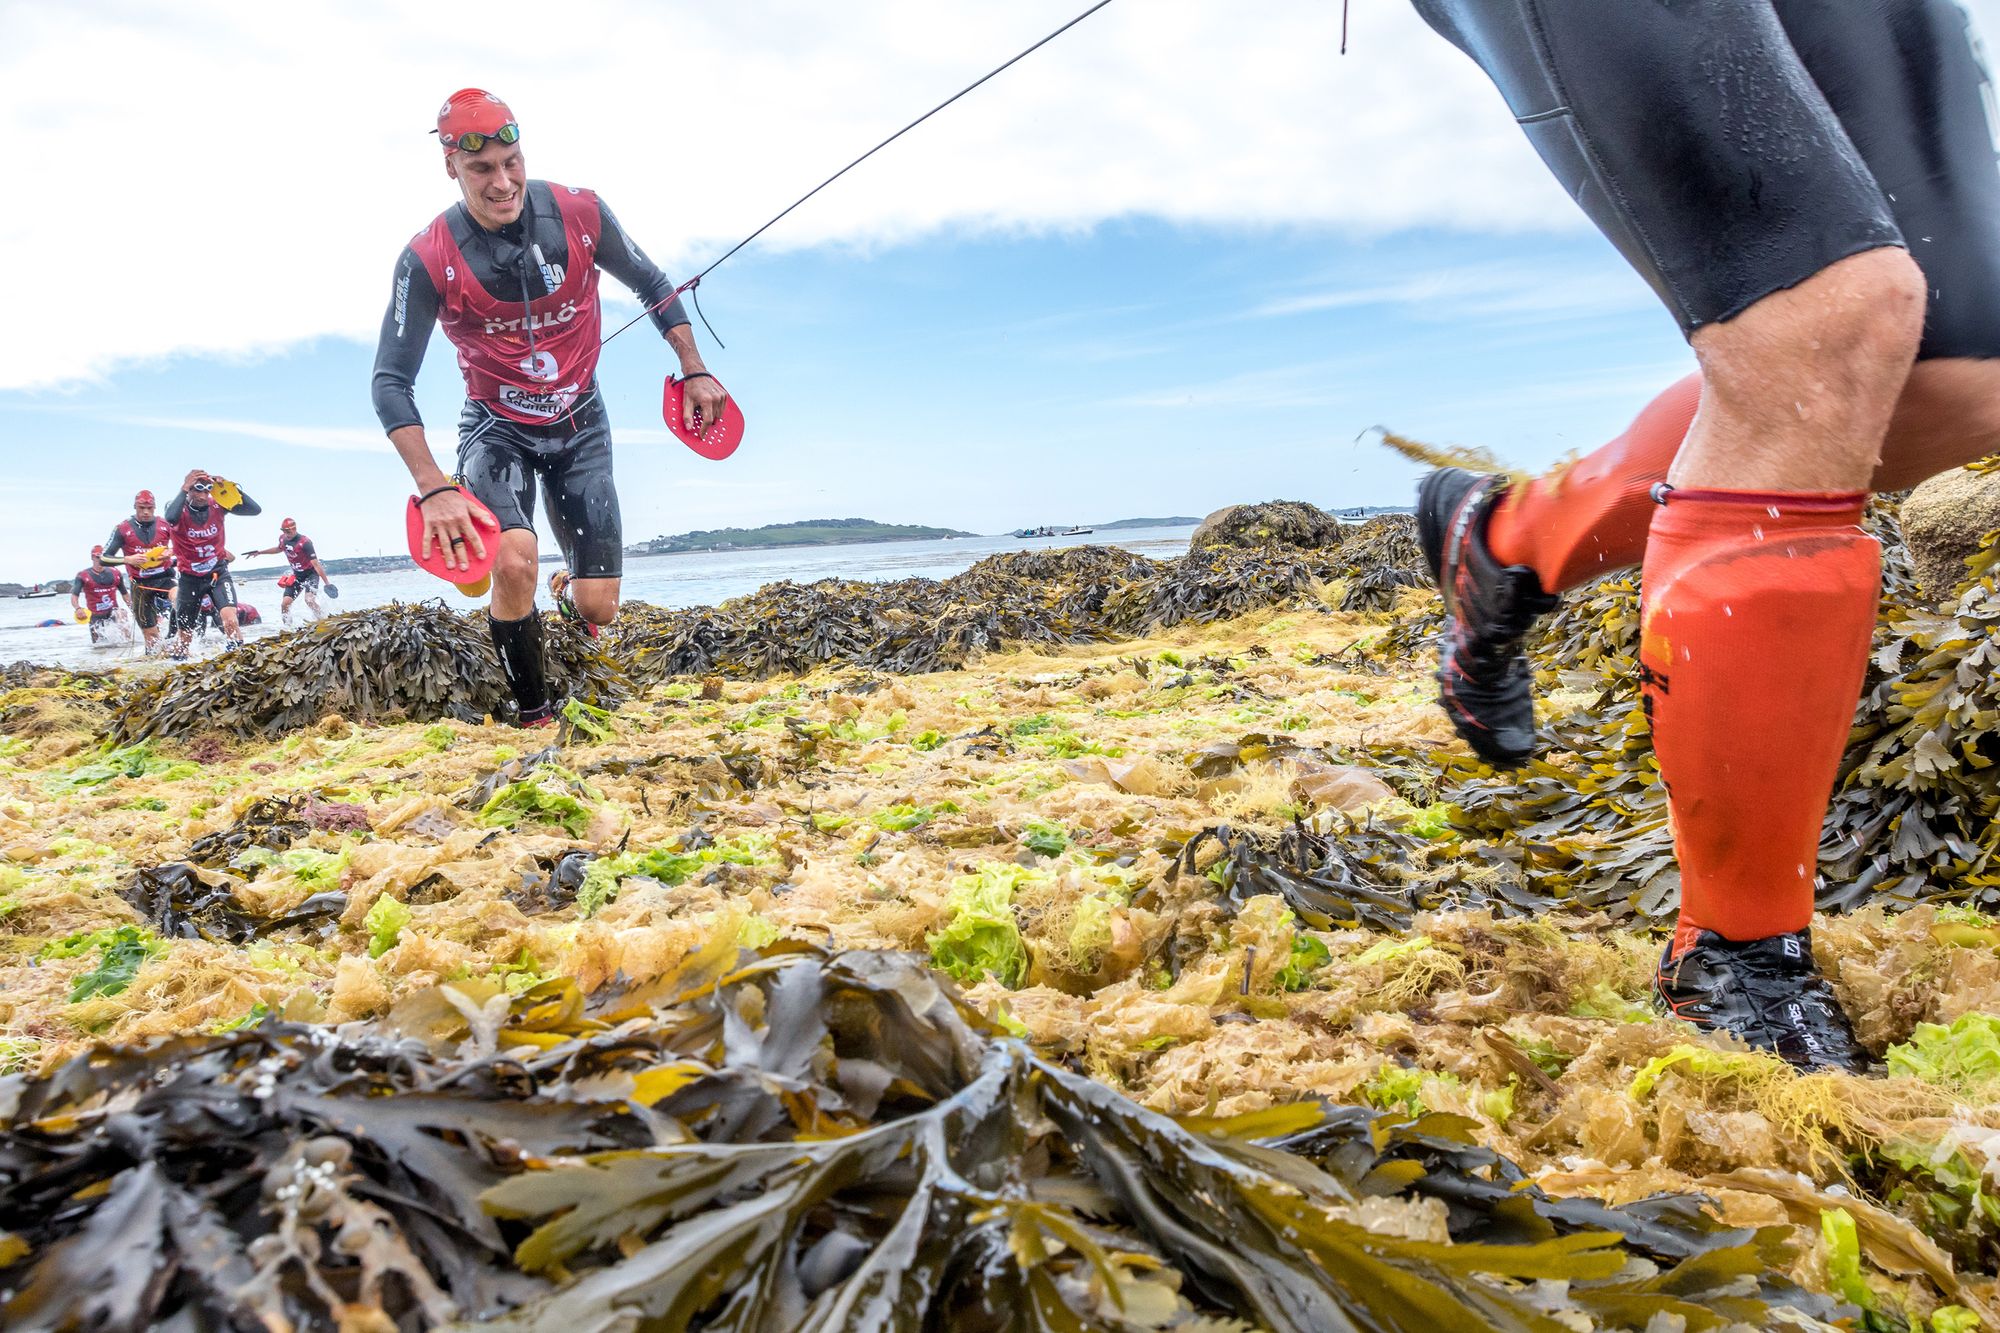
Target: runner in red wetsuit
[
  {"x": 100, "y": 591},
  {"x": 511, "y": 273},
  {"x": 201, "y": 555},
  {"x": 143, "y": 544},
  {"x": 307, "y": 571}
]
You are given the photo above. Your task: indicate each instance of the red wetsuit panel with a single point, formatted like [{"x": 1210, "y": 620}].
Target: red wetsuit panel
[
  {"x": 492, "y": 336},
  {"x": 127, "y": 539},
  {"x": 298, "y": 552},
  {"x": 198, "y": 541},
  {"x": 99, "y": 589}
]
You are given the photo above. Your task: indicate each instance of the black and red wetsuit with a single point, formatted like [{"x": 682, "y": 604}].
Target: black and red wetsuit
[
  {"x": 527, "y": 339},
  {"x": 199, "y": 543},
  {"x": 300, "y": 555},
  {"x": 152, "y": 585},
  {"x": 99, "y": 588}
]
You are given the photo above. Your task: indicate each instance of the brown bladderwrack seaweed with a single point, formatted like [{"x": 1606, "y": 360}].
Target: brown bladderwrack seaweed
[
  {"x": 798, "y": 1140},
  {"x": 1586, "y": 820},
  {"x": 401, "y": 662}
]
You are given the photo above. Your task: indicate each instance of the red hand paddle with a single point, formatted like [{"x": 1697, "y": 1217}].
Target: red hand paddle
[
  {"x": 471, "y": 581},
  {"x": 716, "y": 440}
]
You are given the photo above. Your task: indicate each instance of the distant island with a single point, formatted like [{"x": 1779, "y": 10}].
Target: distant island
[
  {"x": 1181, "y": 522},
  {"x": 807, "y": 532}
]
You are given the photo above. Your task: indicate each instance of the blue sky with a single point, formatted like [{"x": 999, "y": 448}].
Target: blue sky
[{"x": 981, "y": 382}]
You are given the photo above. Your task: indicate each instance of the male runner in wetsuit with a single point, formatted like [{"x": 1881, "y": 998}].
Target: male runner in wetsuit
[
  {"x": 1811, "y": 189},
  {"x": 100, "y": 592},
  {"x": 142, "y": 543},
  {"x": 511, "y": 273},
  {"x": 307, "y": 571},
  {"x": 202, "y": 555}
]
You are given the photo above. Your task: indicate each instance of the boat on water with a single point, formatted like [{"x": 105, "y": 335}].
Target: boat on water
[
  {"x": 38, "y": 591},
  {"x": 1052, "y": 532}
]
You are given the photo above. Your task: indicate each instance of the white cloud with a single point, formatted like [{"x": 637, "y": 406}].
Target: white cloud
[
  {"x": 228, "y": 179},
  {"x": 1503, "y": 292},
  {"x": 368, "y": 440}
]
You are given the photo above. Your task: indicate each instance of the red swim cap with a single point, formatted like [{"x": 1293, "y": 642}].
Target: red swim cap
[
  {"x": 143, "y": 498},
  {"x": 96, "y": 551},
  {"x": 289, "y": 523},
  {"x": 471, "y": 111}
]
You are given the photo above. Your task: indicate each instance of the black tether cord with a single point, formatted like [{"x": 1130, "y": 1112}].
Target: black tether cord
[
  {"x": 691, "y": 283},
  {"x": 694, "y": 294}
]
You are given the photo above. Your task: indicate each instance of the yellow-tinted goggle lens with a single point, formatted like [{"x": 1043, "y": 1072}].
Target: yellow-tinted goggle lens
[{"x": 472, "y": 140}]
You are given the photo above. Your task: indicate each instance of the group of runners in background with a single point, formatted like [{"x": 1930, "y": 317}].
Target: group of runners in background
[{"x": 167, "y": 570}]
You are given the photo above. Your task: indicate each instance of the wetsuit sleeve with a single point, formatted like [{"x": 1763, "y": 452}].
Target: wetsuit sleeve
[
  {"x": 626, "y": 262},
  {"x": 115, "y": 544},
  {"x": 246, "y": 507},
  {"x": 174, "y": 507},
  {"x": 406, "y": 333}
]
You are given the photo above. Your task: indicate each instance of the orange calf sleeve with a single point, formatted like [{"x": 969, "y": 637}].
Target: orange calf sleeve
[
  {"x": 1591, "y": 517},
  {"x": 1757, "y": 613}
]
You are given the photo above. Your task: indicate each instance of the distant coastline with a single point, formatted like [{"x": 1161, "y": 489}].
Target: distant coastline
[
  {"x": 1116, "y": 524},
  {"x": 806, "y": 532},
  {"x": 772, "y": 536}
]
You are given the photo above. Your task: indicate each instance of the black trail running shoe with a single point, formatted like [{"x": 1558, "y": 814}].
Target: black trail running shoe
[
  {"x": 1483, "y": 676},
  {"x": 1767, "y": 992}
]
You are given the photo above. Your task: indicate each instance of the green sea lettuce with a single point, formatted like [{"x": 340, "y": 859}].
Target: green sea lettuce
[
  {"x": 1963, "y": 1058},
  {"x": 980, "y": 937}
]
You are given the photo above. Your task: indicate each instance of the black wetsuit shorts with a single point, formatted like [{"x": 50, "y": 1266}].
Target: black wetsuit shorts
[
  {"x": 1734, "y": 148},
  {"x": 218, "y": 587},
  {"x": 502, "y": 460},
  {"x": 148, "y": 600},
  {"x": 302, "y": 584}
]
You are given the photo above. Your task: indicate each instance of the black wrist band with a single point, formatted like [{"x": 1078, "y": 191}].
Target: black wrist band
[
  {"x": 699, "y": 375},
  {"x": 439, "y": 491}
]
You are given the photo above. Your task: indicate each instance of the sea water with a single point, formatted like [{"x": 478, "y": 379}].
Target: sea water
[{"x": 694, "y": 578}]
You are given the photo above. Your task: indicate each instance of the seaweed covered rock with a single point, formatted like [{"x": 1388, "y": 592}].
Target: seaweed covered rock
[
  {"x": 415, "y": 662},
  {"x": 1386, "y": 541},
  {"x": 1217, "y": 584},
  {"x": 1944, "y": 520},
  {"x": 1275, "y": 523},
  {"x": 1085, "y": 594},
  {"x": 1383, "y": 557},
  {"x": 39, "y": 700}
]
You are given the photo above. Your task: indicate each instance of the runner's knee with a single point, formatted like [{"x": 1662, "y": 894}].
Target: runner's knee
[
  {"x": 596, "y": 599},
  {"x": 1862, "y": 314},
  {"x": 1813, "y": 372},
  {"x": 516, "y": 565}
]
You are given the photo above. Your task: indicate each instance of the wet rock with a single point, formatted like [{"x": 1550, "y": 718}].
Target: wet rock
[
  {"x": 1943, "y": 522},
  {"x": 1274, "y": 523}
]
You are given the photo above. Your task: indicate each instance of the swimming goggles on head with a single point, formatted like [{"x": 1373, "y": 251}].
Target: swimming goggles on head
[{"x": 473, "y": 140}]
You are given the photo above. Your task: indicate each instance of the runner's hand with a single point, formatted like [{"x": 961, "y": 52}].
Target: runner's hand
[
  {"x": 706, "y": 398},
  {"x": 446, "y": 516},
  {"x": 198, "y": 475}
]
